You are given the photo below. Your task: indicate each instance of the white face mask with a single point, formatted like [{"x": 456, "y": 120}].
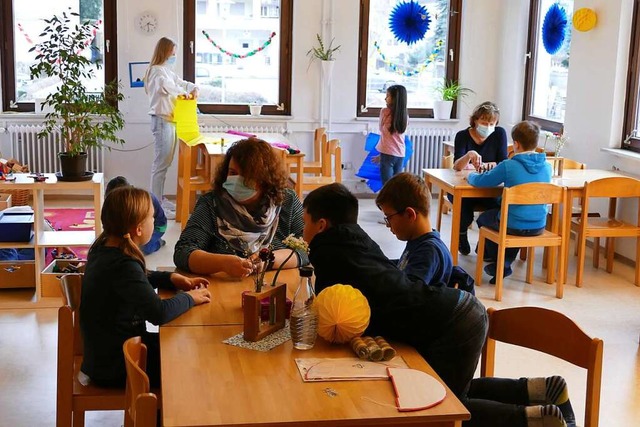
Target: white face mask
[{"x": 485, "y": 131}]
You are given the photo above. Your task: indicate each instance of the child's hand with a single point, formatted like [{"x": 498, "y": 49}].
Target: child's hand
[
  {"x": 185, "y": 283},
  {"x": 200, "y": 296},
  {"x": 375, "y": 159}
]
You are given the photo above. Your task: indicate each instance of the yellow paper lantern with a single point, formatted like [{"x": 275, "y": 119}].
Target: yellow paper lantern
[
  {"x": 343, "y": 313},
  {"x": 584, "y": 19}
]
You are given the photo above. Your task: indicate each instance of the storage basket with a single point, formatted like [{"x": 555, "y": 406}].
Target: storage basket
[{"x": 18, "y": 197}]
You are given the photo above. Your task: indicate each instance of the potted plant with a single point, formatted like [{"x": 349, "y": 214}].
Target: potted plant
[
  {"x": 325, "y": 54},
  {"x": 448, "y": 91},
  {"x": 84, "y": 119}
]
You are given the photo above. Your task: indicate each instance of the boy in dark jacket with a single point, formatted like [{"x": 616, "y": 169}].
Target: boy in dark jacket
[
  {"x": 524, "y": 167},
  {"x": 446, "y": 326}
]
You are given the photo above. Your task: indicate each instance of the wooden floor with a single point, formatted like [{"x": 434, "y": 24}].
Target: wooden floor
[{"x": 608, "y": 306}]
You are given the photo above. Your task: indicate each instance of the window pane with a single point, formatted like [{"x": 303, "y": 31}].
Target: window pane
[
  {"x": 551, "y": 71},
  {"x": 401, "y": 59},
  {"x": 28, "y": 23},
  {"x": 249, "y": 71}
]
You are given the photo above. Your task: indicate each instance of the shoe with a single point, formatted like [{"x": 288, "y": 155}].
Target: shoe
[
  {"x": 490, "y": 269},
  {"x": 463, "y": 245},
  {"x": 162, "y": 242},
  {"x": 167, "y": 205},
  {"x": 485, "y": 257},
  {"x": 169, "y": 214}
]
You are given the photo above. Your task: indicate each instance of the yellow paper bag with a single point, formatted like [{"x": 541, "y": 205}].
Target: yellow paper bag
[{"x": 186, "y": 118}]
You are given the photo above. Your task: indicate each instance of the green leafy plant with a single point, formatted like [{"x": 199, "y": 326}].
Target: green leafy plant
[
  {"x": 85, "y": 119},
  {"x": 322, "y": 52},
  {"x": 451, "y": 90}
]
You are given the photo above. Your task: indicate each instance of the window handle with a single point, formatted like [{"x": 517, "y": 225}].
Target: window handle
[
  {"x": 280, "y": 107},
  {"x": 451, "y": 55},
  {"x": 191, "y": 46},
  {"x": 107, "y": 44},
  {"x": 364, "y": 109}
]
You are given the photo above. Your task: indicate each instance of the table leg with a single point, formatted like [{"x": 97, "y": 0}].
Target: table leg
[
  {"x": 567, "y": 224},
  {"x": 298, "y": 171},
  {"x": 455, "y": 226}
]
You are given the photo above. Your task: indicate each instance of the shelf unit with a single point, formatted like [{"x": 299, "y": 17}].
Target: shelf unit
[{"x": 47, "y": 239}]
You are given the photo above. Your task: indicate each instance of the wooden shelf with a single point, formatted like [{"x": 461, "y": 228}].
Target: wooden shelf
[{"x": 66, "y": 238}]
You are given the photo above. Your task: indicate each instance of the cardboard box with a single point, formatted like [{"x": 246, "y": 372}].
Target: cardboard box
[
  {"x": 50, "y": 276},
  {"x": 16, "y": 227},
  {"x": 17, "y": 274},
  {"x": 5, "y": 201}
]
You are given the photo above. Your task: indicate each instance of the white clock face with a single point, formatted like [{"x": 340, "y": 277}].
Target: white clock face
[{"x": 148, "y": 23}]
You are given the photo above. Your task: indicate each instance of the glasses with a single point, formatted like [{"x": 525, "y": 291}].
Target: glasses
[{"x": 386, "y": 218}]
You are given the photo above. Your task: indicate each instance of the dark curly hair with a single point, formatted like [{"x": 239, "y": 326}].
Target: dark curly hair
[{"x": 260, "y": 165}]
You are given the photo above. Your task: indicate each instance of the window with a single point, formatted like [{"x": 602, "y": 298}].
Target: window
[
  {"x": 231, "y": 42},
  {"x": 22, "y": 22},
  {"x": 419, "y": 67},
  {"x": 546, "y": 74},
  {"x": 631, "y": 134}
]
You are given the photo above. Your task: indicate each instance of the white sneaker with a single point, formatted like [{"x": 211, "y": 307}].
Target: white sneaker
[
  {"x": 168, "y": 205},
  {"x": 170, "y": 215}
]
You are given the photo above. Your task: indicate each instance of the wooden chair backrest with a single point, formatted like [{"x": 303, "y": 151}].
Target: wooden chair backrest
[
  {"x": 536, "y": 193},
  {"x": 552, "y": 333},
  {"x": 332, "y": 160},
  {"x": 612, "y": 188},
  {"x": 317, "y": 143},
  {"x": 447, "y": 162},
  {"x": 71, "y": 287},
  {"x": 573, "y": 164},
  {"x": 141, "y": 405}
]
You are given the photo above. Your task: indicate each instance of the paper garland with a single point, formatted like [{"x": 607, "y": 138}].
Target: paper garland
[
  {"x": 237, "y": 55},
  {"x": 409, "y": 22},
  {"x": 554, "y": 28},
  {"x": 432, "y": 57}
]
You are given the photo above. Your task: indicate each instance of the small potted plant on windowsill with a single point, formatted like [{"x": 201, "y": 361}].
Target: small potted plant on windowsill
[
  {"x": 448, "y": 91},
  {"x": 84, "y": 119},
  {"x": 326, "y": 54}
]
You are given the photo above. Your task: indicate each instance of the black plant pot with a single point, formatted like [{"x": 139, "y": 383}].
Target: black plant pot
[{"x": 73, "y": 165}]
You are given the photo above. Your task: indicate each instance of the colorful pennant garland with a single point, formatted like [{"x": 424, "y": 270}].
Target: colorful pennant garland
[
  {"x": 237, "y": 55},
  {"x": 432, "y": 57}
]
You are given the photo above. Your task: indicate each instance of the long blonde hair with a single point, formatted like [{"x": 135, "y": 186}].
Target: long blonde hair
[
  {"x": 123, "y": 210},
  {"x": 162, "y": 52}
]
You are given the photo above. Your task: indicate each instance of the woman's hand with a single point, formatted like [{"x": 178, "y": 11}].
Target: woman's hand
[
  {"x": 185, "y": 283},
  {"x": 474, "y": 158},
  {"x": 375, "y": 159},
  {"x": 239, "y": 267},
  {"x": 194, "y": 93},
  {"x": 200, "y": 296}
]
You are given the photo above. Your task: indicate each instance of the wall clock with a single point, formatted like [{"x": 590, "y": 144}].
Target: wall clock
[{"x": 147, "y": 22}]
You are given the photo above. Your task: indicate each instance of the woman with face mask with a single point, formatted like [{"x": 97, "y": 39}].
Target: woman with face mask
[
  {"x": 249, "y": 207},
  {"x": 483, "y": 143},
  {"x": 163, "y": 86}
]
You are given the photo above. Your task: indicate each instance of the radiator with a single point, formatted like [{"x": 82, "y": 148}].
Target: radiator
[
  {"x": 427, "y": 148},
  {"x": 41, "y": 154},
  {"x": 248, "y": 129}
]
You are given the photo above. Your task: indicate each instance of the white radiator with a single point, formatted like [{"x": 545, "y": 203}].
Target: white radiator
[
  {"x": 248, "y": 129},
  {"x": 41, "y": 154},
  {"x": 427, "y": 148}
]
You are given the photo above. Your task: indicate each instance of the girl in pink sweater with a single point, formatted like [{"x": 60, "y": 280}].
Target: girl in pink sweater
[{"x": 393, "y": 123}]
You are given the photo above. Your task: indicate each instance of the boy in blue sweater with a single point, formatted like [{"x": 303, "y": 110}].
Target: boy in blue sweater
[
  {"x": 405, "y": 202},
  {"x": 524, "y": 167}
]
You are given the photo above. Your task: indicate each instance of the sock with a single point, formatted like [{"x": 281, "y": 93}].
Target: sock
[
  {"x": 552, "y": 390},
  {"x": 544, "y": 416}
]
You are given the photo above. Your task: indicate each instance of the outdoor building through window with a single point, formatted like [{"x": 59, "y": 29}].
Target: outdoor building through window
[
  {"x": 548, "y": 62},
  {"x": 22, "y": 23},
  {"x": 238, "y": 53},
  {"x": 420, "y": 66}
]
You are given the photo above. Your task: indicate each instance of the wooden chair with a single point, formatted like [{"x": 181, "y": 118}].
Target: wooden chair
[
  {"x": 74, "y": 398},
  {"x": 552, "y": 333},
  {"x": 197, "y": 179},
  {"x": 141, "y": 404},
  {"x": 331, "y": 167},
  {"x": 527, "y": 194},
  {"x": 609, "y": 227},
  {"x": 315, "y": 167}
]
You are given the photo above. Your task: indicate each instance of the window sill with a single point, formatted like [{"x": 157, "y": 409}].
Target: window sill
[
  {"x": 411, "y": 120},
  {"x": 619, "y": 152}
]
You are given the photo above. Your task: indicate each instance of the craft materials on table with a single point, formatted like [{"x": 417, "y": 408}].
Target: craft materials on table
[
  {"x": 345, "y": 369},
  {"x": 265, "y": 344},
  {"x": 415, "y": 390},
  {"x": 374, "y": 349}
]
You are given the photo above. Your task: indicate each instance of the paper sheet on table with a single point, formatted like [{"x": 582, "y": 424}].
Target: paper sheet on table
[{"x": 346, "y": 369}]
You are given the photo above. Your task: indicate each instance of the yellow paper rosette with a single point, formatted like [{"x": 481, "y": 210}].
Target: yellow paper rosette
[{"x": 343, "y": 313}]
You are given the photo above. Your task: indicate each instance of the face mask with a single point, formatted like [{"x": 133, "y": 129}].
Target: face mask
[
  {"x": 171, "y": 60},
  {"x": 485, "y": 131},
  {"x": 236, "y": 188}
]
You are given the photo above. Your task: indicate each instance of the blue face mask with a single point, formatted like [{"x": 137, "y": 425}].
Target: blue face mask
[
  {"x": 485, "y": 131},
  {"x": 236, "y": 188},
  {"x": 171, "y": 60}
]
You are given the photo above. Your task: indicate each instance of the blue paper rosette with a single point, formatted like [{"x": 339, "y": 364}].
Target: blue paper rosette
[
  {"x": 554, "y": 28},
  {"x": 409, "y": 22}
]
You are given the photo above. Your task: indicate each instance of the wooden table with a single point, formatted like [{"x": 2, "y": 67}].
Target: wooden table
[
  {"x": 208, "y": 383},
  {"x": 225, "y": 307},
  {"x": 190, "y": 181},
  {"x": 455, "y": 183}
]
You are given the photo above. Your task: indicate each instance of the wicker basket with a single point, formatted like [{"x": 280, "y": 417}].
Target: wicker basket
[{"x": 18, "y": 197}]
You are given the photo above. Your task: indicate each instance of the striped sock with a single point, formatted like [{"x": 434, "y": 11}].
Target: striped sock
[
  {"x": 544, "y": 416},
  {"x": 552, "y": 390}
]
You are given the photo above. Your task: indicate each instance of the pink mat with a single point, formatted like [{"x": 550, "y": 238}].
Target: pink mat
[{"x": 70, "y": 220}]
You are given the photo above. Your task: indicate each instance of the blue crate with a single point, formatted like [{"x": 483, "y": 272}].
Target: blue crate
[{"x": 16, "y": 227}]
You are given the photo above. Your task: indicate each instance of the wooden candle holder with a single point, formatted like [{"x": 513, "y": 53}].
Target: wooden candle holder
[{"x": 253, "y": 328}]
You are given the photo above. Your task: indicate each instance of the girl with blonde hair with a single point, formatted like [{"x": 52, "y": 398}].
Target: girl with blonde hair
[
  {"x": 164, "y": 86},
  {"x": 118, "y": 293}
]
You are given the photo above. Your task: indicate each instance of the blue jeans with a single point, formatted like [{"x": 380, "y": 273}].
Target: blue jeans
[
  {"x": 491, "y": 220},
  {"x": 389, "y": 166},
  {"x": 497, "y": 402},
  {"x": 154, "y": 244},
  {"x": 468, "y": 206},
  {"x": 164, "y": 136},
  {"x": 17, "y": 254}
]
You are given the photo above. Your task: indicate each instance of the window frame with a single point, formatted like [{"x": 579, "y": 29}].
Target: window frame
[
  {"x": 285, "y": 80},
  {"x": 529, "y": 73},
  {"x": 452, "y": 67},
  {"x": 7, "y": 53},
  {"x": 631, "y": 106}
]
